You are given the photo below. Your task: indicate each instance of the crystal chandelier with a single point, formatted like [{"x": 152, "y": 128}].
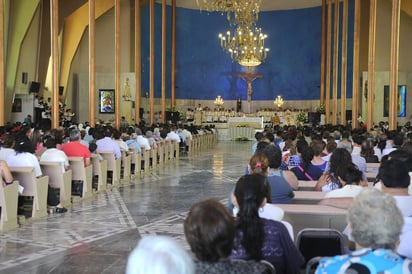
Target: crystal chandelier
[
  {"x": 246, "y": 46},
  {"x": 278, "y": 101},
  {"x": 219, "y": 102},
  {"x": 238, "y": 11}
]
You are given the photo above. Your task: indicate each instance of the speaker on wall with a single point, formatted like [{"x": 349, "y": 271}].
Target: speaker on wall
[
  {"x": 34, "y": 87},
  {"x": 24, "y": 76},
  {"x": 61, "y": 90}
]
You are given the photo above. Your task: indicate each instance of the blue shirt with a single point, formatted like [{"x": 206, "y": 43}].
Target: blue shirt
[{"x": 375, "y": 261}]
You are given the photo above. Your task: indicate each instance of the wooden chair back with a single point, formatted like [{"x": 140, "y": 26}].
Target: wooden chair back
[
  {"x": 113, "y": 165},
  {"x": 59, "y": 179},
  {"x": 8, "y": 203},
  {"x": 35, "y": 187},
  {"x": 136, "y": 160},
  {"x": 125, "y": 163},
  {"x": 145, "y": 159},
  {"x": 99, "y": 169},
  {"x": 82, "y": 173}
]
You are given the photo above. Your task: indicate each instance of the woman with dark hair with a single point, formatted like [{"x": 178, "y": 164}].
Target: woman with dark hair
[
  {"x": 340, "y": 162},
  {"x": 281, "y": 182},
  {"x": 261, "y": 239},
  {"x": 368, "y": 153},
  {"x": 306, "y": 171},
  {"x": 210, "y": 232},
  {"x": 318, "y": 146}
]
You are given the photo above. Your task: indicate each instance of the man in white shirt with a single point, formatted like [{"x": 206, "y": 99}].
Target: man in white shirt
[
  {"x": 172, "y": 135},
  {"x": 52, "y": 154},
  {"x": 142, "y": 140},
  {"x": 394, "y": 180},
  {"x": 108, "y": 144}
]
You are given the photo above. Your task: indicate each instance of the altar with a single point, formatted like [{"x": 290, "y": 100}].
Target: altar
[
  {"x": 241, "y": 132},
  {"x": 251, "y": 122}
]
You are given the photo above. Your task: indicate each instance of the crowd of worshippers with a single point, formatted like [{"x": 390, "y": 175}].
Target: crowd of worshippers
[
  {"x": 23, "y": 145},
  {"x": 251, "y": 236}
]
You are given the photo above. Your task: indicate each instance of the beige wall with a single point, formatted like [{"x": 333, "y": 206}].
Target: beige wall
[{"x": 105, "y": 60}]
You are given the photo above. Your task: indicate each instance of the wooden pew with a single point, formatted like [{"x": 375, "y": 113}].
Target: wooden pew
[
  {"x": 315, "y": 216},
  {"x": 136, "y": 160},
  {"x": 35, "y": 187},
  {"x": 113, "y": 165},
  {"x": 153, "y": 158},
  {"x": 189, "y": 146},
  {"x": 145, "y": 160},
  {"x": 308, "y": 197},
  {"x": 174, "y": 151},
  {"x": 99, "y": 170},
  {"x": 8, "y": 203},
  {"x": 59, "y": 179},
  {"x": 82, "y": 173},
  {"x": 372, "y": 167},
  {"x": 307, "y": 185},
  {"x": 161, "y": 151},
  {"x": 125, "y": 163}
]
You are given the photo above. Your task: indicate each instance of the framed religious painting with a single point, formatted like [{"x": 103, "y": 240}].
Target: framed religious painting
[{"x": 106, "y": 101}]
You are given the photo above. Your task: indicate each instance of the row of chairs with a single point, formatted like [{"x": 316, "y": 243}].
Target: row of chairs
[{"x": 131, "y": 165}]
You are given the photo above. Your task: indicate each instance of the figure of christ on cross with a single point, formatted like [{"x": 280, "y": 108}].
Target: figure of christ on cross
[{"x": 249, "y": 77}]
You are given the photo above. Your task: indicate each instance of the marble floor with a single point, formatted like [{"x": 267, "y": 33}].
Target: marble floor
[{"x": 96, "y": 235}]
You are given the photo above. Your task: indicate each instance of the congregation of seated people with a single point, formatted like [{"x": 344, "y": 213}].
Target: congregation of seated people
[
  {"x": 24, "y": 145},
  {"x": 251, "y": 236}
]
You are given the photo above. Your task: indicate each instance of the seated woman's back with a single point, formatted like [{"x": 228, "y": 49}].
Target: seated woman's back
[
  {"x": 306, "y": 171},
  {"x": 210, "y": 230},
  {"x": 278, "y": 248},
  {"x": 261, "y": 239}
]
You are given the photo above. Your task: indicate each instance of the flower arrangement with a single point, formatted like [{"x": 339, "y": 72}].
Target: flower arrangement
[
  {"x": 301, "y": 117},
  {"x": 321, "y": 109},
  {"x": 241, "y": 138}
]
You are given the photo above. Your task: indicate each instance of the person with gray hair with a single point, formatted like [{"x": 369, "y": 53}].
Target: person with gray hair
[
  {"x": 75, "y": 149},
  {"x": 75, "y": 135},
  {"x": 160, "y": 255},
  {"x": 376, "y": 223}
]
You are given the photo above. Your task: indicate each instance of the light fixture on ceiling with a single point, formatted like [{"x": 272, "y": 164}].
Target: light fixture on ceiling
[
  {"x": 278, "y": 102},
  {"x": 246, "y": 46},
  {"x": 219, "y": 102},
  {"x": 238, "y": 11}
]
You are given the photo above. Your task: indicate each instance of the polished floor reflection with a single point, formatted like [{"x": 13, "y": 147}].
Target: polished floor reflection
[{"x": 97, "y": 234}]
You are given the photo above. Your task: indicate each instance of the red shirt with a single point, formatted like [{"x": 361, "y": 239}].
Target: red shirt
[{"x": 75, "y": 149}]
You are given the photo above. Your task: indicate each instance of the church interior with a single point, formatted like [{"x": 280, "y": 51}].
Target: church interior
[{"x": 150, "y": 62}]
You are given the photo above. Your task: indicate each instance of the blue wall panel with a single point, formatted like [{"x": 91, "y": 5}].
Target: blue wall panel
[{"x": 204, "y": 70}]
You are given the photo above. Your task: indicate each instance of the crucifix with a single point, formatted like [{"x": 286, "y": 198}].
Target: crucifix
[{"x": 249, "y": 77}]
